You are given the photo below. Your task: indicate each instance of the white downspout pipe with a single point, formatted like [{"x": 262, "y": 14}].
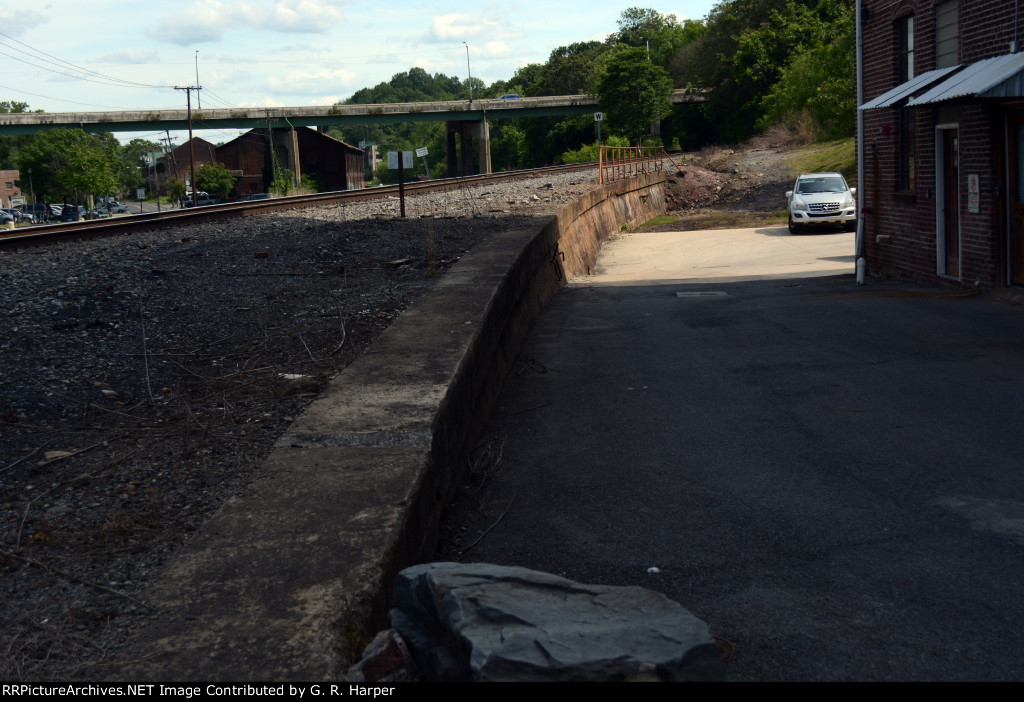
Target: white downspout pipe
[{"x": 859, "y": 241}]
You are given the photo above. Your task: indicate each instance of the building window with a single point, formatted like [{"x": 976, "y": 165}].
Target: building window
[
  {"x": 947, "y": 31},
  {"x": 905, "y": 29},
  {"x": 907, "y": 149}
]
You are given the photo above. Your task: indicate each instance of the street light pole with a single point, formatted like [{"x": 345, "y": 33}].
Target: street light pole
[{"x": 470, "y": 74}]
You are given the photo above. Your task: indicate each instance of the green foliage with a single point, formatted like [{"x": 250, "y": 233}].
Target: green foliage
[
  {"x": 839, "y": 155},
  {"x": 87, "y": 171},
  {"x": 662, "y": 35},
  {"x": 13, "y": 107},
  {"x": 745, "y": 50},
  {"x": 309, "y": 183},
  {"x": 284, "y": 181},
  {"x": 134, "y": 164},
  {"x": 175, "y": 189},
  {"x": 634, "y": 92},
  {"x": 589, "y": 152},
  {"x": 68, "y": 164},
  {"x": 816, "y": 91},
  {"x": 508, "y": 146},
  {"x": 571, "y": 70},
  {"x": 215, "y": 179},
  {"x": 10, "y": 146}
]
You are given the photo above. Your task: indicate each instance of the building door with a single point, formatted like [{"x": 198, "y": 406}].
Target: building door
[
  {"x": 1017, "y": 202},
  {"x": 948, "y": 189}
]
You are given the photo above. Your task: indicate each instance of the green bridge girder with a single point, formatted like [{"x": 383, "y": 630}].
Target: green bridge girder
[{"x": 284, "y": 117}]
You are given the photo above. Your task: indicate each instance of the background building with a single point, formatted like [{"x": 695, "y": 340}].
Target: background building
[
  {"x": 9, "y": 188},
  {"x": 252, "y": 157}
]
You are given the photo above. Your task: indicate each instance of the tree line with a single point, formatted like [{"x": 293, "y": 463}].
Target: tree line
[
  {"x": 766, "y": 63},
  {"x": 773, "y": 62}
]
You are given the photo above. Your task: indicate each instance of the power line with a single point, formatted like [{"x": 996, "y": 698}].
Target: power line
[
  {"x": 75, "y": 102},
  {"x": 67, "y": 65}
]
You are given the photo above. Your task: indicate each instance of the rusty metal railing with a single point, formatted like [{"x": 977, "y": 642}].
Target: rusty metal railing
[{"x": 621, "y": 162}]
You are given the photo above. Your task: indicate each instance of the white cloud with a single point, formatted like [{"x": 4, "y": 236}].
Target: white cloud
[
  {"x": 496, "y": 48},
  {"x": 305, "y": 82},
  {"x": 210, "y": 19},
  {"x": 325, "y": 100},
  {"x": 129, "y": 56},
  {"x": 456, "y": 27},
  {"x": 18, "y": 22}
]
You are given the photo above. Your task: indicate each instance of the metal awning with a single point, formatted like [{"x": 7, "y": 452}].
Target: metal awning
[
  {"x": 998, "y": 77},
  {"x": 909, "y": 88}
]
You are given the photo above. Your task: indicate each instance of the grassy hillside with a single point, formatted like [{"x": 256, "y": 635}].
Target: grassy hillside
[{"x": 840, "y": 155}]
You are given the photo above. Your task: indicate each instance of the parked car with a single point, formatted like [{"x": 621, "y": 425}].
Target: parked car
[
  {"x": 821, "y": 198},
  {"x": 259, "y": 196},
  {"x": 72, "y": 213},
  {"x": 202, "y": 200},
  {"x": 110, "y": 208},
  {"x": 39, "y": 211},
  {"x": 5, "y": 217},
  {"x": 21, "y": 215}
]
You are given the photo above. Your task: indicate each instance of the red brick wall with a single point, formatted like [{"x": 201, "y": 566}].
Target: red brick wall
[
  {"x": 247, "y": 153},
  {"x": 900, "y": 227}
]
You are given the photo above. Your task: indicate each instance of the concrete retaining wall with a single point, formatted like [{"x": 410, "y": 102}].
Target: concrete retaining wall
[{"x": 285, "y": 582}]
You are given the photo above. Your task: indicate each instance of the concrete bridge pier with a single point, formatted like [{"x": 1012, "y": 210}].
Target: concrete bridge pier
[
  {"x": 287, "y": 144},
  {"x": 467, "y": 132}
]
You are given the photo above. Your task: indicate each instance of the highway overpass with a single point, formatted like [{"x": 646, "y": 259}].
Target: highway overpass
[{"x": 313, "y": 116}]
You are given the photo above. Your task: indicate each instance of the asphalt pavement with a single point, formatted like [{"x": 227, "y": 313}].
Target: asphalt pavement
[{"x": 830, "y": 475}]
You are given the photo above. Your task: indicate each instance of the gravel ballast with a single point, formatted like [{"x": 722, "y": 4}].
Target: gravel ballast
[{"x": 146, "y": 376}]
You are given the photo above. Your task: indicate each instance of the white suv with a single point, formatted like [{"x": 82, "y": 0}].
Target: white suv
[{"x": 821, "y": 198}]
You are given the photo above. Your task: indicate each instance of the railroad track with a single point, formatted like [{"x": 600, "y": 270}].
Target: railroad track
[{"x": 43, "y": 234}]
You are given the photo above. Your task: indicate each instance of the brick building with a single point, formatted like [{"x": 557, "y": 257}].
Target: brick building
[
  {"x": 9, "y": 188},
  {"x": 943, "y": 179},
  {"x": 304, "y": 151},
  {"x": 176, "y": 163}
]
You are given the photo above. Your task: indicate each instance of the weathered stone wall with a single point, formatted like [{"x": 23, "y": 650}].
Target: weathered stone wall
[{"x": 284, "y": 582}]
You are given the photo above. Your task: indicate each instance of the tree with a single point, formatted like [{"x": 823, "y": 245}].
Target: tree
[
  {"x": 214, "y": 178},
  {"x": 11, "y": 145},
  {"x": 87, "y": 171},
  {"x": 634, "y": 92},
  {"x": 134, "y": 156},
  {"x": 816, "y": 91},
  {"x": 91, "y": 162},
  {"x": 175, "y": 189}
]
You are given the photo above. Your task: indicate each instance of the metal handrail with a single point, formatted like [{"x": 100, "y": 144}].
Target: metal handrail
[{"x": 622, "y": 162}]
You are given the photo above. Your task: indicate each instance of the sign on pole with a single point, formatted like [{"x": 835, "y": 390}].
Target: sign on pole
[
  {"x": 422, "y": 153},
  {"x": 393, "y": 159},
  {"x": 401, "y": 165}
]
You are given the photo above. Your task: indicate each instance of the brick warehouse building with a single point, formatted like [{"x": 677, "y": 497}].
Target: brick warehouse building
[
  {"x": 335, "y": 164},
  {"x": 943, "y": 179}
]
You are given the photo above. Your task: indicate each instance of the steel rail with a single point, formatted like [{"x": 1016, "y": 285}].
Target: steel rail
[{"x": 44, "y": 234}]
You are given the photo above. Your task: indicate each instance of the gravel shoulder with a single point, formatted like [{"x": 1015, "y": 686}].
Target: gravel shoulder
[{"x": 146, "y": 377}]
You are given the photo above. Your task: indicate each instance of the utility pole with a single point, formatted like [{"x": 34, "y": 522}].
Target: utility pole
[
  {"x": 470, "y": 74},
  {"x": 199, "y": 100},
  {"x": 191, "y": 145}
]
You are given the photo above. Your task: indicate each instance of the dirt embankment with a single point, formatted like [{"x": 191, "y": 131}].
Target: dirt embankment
[{"x": 732, "y": 186}]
